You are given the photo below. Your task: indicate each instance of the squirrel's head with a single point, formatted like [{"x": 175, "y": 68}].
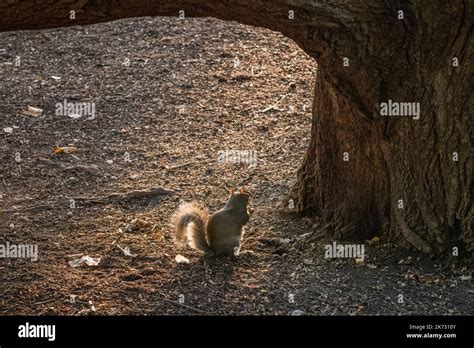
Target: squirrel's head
[{"x": 241, "y": 194}]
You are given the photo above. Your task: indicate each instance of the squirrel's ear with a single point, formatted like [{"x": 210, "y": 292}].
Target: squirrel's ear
[
  {"x": 231, "y": 191},
  {"x": 242, "y": 191}
]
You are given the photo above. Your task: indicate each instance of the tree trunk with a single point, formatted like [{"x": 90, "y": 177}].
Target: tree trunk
[{"x": 406, "y": 179}]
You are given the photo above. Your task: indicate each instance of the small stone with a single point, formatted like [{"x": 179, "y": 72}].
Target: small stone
[{"x": 181, "y": 259}]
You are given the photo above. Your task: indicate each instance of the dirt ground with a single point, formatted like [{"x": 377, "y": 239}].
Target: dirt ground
[{"x": 169, "y": 95}]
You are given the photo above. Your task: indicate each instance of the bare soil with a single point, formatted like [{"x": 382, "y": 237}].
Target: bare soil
[{"x": 169, "y": 95}]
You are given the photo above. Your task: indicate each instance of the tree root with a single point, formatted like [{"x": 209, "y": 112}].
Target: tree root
[{"x": 136, "y": 194}]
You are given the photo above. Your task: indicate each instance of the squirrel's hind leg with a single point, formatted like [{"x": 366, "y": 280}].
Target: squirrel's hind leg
[{"x": 230, "y": 248}]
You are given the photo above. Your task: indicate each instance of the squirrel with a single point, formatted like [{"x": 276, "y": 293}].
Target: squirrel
[{"x": 218, "y": 234}]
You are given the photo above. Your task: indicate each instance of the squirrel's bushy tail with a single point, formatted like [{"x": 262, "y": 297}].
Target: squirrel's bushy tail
[{"x": 190, "y": 222}]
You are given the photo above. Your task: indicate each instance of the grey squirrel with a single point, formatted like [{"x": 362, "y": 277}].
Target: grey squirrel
[{"x": 220, "y": 233}]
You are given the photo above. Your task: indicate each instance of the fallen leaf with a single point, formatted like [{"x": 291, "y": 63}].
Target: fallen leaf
[
  {"x": 137, "y": 224},
  {"x": 74, "y": 116},
  {"x": 65, "y": 149},
  {"x": 92, "y": 307},
  {"x": 430, "y": 279},
  {"x": 359, "y": 261},
  {"x": 87, "y": 260},
  {"x": 374, "y": 240},
  {"x": 297, "y": 313},
  {"x": 140, "y": 223},
  {"x": 32, "y": 111}
]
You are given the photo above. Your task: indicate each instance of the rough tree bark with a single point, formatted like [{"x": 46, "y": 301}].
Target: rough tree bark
[{"x": 408, "y": 180}]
